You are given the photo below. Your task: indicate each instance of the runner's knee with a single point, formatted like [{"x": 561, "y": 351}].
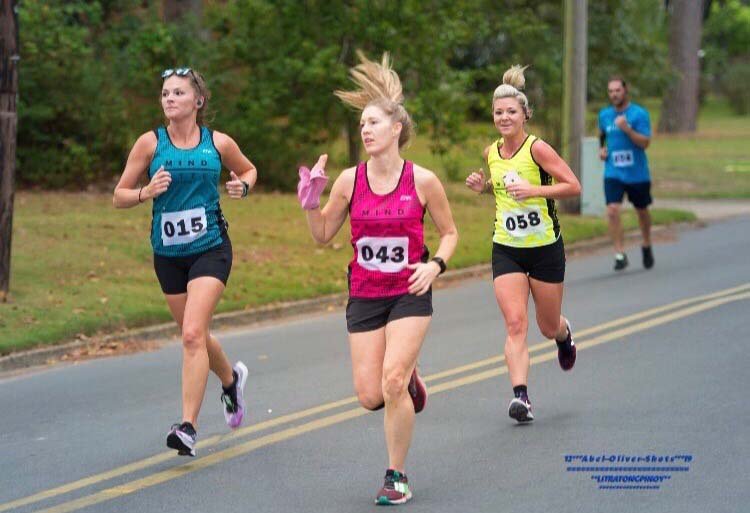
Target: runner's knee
[
  {"x": 193, "y": 338},
  {"x": 370, "y": 401},
  {"x": 394, "y": 384},
  {"x": 516, "y": 325}
]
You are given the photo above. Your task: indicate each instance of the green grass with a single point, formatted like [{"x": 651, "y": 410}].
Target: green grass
[
  {"x": 714, "y": 162},
  {"x": 81, "y": 267}
]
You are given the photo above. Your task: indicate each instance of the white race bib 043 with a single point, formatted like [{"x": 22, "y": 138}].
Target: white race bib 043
[
  {"x": 384, "y": 254},
  {"x": 522, "y": 222},
  {"x": 622, "y": 158},
  {"x": 183, "y": 226}
]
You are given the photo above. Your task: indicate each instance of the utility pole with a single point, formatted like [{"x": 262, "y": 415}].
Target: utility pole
[
  {"x": 8, "y": 126},
  {"x": 574, "y": 90}
]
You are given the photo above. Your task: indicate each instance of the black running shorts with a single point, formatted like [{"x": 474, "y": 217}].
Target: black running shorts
[
  {"x": 364, "y": 314},
  {"x": 543, "y": 263},
  {"x": 639, "y": 194},
  {"x": 174, "y": 273}
]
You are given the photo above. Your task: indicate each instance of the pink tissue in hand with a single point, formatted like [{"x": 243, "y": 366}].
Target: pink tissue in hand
[{"x": 310, "y": 187}]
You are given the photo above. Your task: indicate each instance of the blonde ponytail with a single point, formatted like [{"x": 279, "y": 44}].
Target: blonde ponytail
[
  {"x": 513, "y": 82},
  {"x": 379, "y": 85}
]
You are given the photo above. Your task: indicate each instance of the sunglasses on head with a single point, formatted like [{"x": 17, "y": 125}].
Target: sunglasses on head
[{"x": 180, "y": 72}]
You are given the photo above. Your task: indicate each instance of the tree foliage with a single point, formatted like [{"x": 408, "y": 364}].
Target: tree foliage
[
  {"x": 727, "y": 52},
  {"x": 89, "y": 75}
]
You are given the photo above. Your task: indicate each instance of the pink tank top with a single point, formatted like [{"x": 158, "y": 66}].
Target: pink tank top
[{"x": 387, "y": 233}]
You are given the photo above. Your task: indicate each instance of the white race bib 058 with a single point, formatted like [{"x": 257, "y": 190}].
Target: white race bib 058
[
  {"x": 384, "y": 254},
  {"x": 183, "y": 226},
  {"x": 522, "y": 222},
  {"x": 622, "y": 158}
]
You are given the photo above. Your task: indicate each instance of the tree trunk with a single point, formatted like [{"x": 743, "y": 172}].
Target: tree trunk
[
  {"x": 352, "y": 130},
  {"x": 173, "y": 10},
  {"x": 353, "y": 139},
  {"x": 680, "y": 105},
  {"x": 574, "y": 92},
  {"x": 8, "y": 126}
]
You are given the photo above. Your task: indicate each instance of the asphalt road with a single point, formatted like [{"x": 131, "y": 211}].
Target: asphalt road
[{"x": 662, "y": 375}]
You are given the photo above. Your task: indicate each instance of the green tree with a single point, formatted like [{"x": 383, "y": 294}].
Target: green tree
[
  {"x": 726, "y": 43},
  {"x": 628, "y": 38},
  {"x": 67, "y": 134},
  {"x": 285, "y": 69}
]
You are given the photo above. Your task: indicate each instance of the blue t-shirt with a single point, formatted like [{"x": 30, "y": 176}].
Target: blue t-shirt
[{"x": 626, "y": 161}]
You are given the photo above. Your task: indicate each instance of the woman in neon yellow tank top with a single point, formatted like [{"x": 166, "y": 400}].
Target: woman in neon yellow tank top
[{"x": 526, "y": 176}]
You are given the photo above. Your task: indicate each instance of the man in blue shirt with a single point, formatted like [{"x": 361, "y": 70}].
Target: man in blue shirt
[{"x": 624, "y": 135}]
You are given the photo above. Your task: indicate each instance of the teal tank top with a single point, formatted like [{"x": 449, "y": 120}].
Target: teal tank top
[{"x": 187, "y": 218}]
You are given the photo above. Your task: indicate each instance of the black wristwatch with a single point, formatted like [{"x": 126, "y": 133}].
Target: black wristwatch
[
  {"x": 246, "y": 189},
  {"x": 439, "y": 262}
]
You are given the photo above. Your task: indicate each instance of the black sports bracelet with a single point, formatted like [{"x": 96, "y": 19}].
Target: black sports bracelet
[
  {"x": 439, "y": 261},
  {"x": 602, "y": 139},
  {"x": 246, "y": 189}
]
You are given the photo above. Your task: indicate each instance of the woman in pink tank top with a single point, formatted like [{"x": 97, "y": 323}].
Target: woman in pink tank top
[{"x": 390, "y": 274}]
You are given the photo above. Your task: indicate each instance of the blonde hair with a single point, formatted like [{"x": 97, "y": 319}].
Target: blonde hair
[
  {"x": 379, "y": 86},
  {"x": 513, "y": 83}
]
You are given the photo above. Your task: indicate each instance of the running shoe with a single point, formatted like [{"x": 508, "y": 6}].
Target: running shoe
[
  {"x": 395, "y": 489},
  {"x": 520, "y": 409},
  {"x": 232, "y": 398},
  {"x": 648, "y": 257},
  {"x": 566, "y": 350},
  {"x": 621, "y": 261},
  {"x": 182, "y": 438},
  {"x": 417, "y": 391}
]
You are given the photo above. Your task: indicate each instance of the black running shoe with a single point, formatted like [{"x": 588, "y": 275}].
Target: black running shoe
[
  {"x": 621, "y": 261},
  {"x": 520, "y": 409},
  {"x": 566, "y": 350},
  {"x": 182, "y": 438},
  {"x": 648, "y": 257}
]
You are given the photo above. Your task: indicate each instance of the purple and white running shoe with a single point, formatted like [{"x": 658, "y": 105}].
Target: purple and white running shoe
[
  {"x": 181, "y": 437},
  {"x": 232, "y": 399}
]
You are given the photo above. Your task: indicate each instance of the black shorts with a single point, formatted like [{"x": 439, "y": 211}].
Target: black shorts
[
  {"x": 364, "y": 314},
  {"x": 543, "y": 263},
  {"x": 639, "y": 194},
  {"x": 174, "y": 273}
]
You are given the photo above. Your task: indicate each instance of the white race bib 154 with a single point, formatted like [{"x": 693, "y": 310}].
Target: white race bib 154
[
  {"x": 622, "y": 158},
  {"x": 183, "y": 226},
  {"x": 384, "y": 254}
]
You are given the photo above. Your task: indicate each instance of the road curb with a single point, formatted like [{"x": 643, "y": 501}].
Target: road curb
[{"x": 53, "y": 354}]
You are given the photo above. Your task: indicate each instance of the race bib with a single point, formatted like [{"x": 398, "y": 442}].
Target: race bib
[
  {"x": 523, "y": 222},
  {"x": 384, "y": 254},
  {"x": 183, "y": 226},
  {"x": 622, "y": 158}
]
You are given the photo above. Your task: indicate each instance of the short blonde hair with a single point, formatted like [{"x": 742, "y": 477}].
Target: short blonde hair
[
  {"x": 380, "y": 86},
  {"x": 513, "y": 83}
]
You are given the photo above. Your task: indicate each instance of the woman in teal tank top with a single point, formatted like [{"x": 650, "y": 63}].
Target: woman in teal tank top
[{"x": 192, "y": 250}]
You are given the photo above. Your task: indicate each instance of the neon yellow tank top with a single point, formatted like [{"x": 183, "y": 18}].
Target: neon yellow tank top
[{"x": 526, "y": 223}]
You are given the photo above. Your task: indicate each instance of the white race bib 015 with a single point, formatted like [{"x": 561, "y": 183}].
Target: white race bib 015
[
  {"x": 522, "y": 222},
  {"x": 183, "y": 226},
  {"x": 622, "y": 158},
  {"x": 384, "y": 254}
]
